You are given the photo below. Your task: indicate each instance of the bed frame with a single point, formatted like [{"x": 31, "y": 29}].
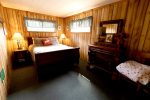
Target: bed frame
[
  {"x": 141, "y": 57},
  {"x": 58, "y": 60}
]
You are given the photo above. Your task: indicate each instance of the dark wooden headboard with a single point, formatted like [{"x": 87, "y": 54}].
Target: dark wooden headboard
[{"x": 30, "y": 41}]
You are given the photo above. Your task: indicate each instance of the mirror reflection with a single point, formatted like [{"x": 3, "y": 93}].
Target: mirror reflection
[{"x": 111, "y": 28}]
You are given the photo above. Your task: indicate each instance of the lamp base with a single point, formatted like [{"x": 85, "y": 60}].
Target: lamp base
[
  {"x": 19, "y": 45},
  {"x": 19, "y": 48}
]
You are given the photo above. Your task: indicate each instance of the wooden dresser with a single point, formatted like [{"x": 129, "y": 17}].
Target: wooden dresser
[
  {"x": 104, "y": 57},
  {"x": 108, "y": 51}
]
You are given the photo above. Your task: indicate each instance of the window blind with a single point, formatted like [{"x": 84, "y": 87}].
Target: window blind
[
  {"x": 81, "y": 25},
  {"x": 40, "y": 25}
]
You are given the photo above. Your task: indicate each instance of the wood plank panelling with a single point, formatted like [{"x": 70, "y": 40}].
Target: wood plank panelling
[
  {"x": 79, "y": 39},
  {"x": 138, "y": 25},
  {"x": 134, "y": 5},
  {"x": 144, "y": 33},
  {"x": 3, "y": 59},
  {"x": 124, "y": 9},
  {"x": 14, "y": 21},
  {"x": 136, "y": 14},
  {"x": 146, "y": 46}
]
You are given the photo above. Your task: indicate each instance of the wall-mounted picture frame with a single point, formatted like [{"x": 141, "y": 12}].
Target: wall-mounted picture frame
[{"x": 109, "y": 38}]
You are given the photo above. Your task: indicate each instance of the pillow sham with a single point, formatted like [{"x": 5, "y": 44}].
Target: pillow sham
[{"x": 46, "y": 42}]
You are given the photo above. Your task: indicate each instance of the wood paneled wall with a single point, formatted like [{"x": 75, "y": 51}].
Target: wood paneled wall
[
  {"x": 14, "y": 22},
  {"x": 136, "y": 14},
  {"x": 3, "y": 60}
]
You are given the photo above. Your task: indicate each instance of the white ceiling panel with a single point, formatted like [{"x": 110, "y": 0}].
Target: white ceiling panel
[{"x": 60, "y": 8}]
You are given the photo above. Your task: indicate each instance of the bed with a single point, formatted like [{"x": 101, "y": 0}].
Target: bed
[
  {"x": 137, "y": 71},
  {"x": 48, "y": 54}
]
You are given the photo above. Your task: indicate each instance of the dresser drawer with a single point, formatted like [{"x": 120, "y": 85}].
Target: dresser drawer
[
  {"x": 103, "y": 58},
  {"x": 103, "y": 51}
]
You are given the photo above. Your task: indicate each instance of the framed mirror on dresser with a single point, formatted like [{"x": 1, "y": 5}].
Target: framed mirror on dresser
[{"x": 108, "y": 51}]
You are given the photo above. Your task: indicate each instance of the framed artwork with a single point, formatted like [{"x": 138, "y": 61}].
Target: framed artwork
[{"x": 109, "y": 38}]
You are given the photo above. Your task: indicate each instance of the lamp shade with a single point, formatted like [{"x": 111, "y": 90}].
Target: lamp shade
[
  {"x": 62, "y": 36},
  {"x": 17, "y": 36}
]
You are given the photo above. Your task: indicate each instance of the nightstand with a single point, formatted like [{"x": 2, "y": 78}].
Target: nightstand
[{"x": 21, "y": 58}]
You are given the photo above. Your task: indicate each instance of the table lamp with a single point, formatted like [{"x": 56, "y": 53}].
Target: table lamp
[
  {"x": 17, "y": 36},
  {"x": 62, "y": 36}
]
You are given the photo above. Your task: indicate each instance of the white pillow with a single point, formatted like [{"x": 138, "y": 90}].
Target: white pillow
[
  {"x": 54, "y": 40},
  {"x": 37, "y": 41}
]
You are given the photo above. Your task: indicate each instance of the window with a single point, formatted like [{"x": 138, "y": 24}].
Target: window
[
  {"x": 81, "y": 25},
  {"x": 40, "y": 25}
]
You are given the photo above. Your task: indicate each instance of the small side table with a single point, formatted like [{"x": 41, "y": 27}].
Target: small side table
[{"x": 21, "y": 57}]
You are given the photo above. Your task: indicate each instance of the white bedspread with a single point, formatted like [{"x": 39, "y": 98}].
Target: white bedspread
[
  {"x": 135, "y": 71},
  {"x": 42, "y": 49},
  {"x": 51, "y": 48}
]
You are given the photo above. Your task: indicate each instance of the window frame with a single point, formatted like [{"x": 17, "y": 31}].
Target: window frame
[
  {"x": 80, "y": 29},
  {"x": 40, "y": 28}
]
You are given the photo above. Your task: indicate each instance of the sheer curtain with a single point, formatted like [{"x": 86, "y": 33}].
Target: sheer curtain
[
  {"x": 40, "y": 25},
  {"x": 81, "y": 25}
]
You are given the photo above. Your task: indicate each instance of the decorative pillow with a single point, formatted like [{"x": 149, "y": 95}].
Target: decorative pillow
[
  {"x": 46, "y": 42},
  {"x": 39, "y": 41}
]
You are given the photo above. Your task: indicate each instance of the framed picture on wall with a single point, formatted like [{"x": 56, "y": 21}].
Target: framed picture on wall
[{"x": 109, "y": 38}]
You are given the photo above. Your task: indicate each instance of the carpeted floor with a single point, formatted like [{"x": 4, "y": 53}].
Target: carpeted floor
[{"x": 75, "y": 84}]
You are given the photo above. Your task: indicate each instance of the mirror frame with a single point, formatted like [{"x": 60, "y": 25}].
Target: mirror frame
[{"x": 119, "y": 22}]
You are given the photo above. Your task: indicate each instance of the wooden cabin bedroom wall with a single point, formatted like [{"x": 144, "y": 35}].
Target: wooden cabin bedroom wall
[
  {"x": 136, "y": 14},
  {"x": 3, "y": 60},
  {"x": 14, "y": 22}
]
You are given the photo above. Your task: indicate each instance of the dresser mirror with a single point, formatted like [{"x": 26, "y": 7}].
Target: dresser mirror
[{"x": 109, "y": 30}]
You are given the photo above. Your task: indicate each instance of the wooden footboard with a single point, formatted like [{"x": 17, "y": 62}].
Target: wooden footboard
[
  {"x": 55, "y": 62},
  {"x": 55, "y": 57}
]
